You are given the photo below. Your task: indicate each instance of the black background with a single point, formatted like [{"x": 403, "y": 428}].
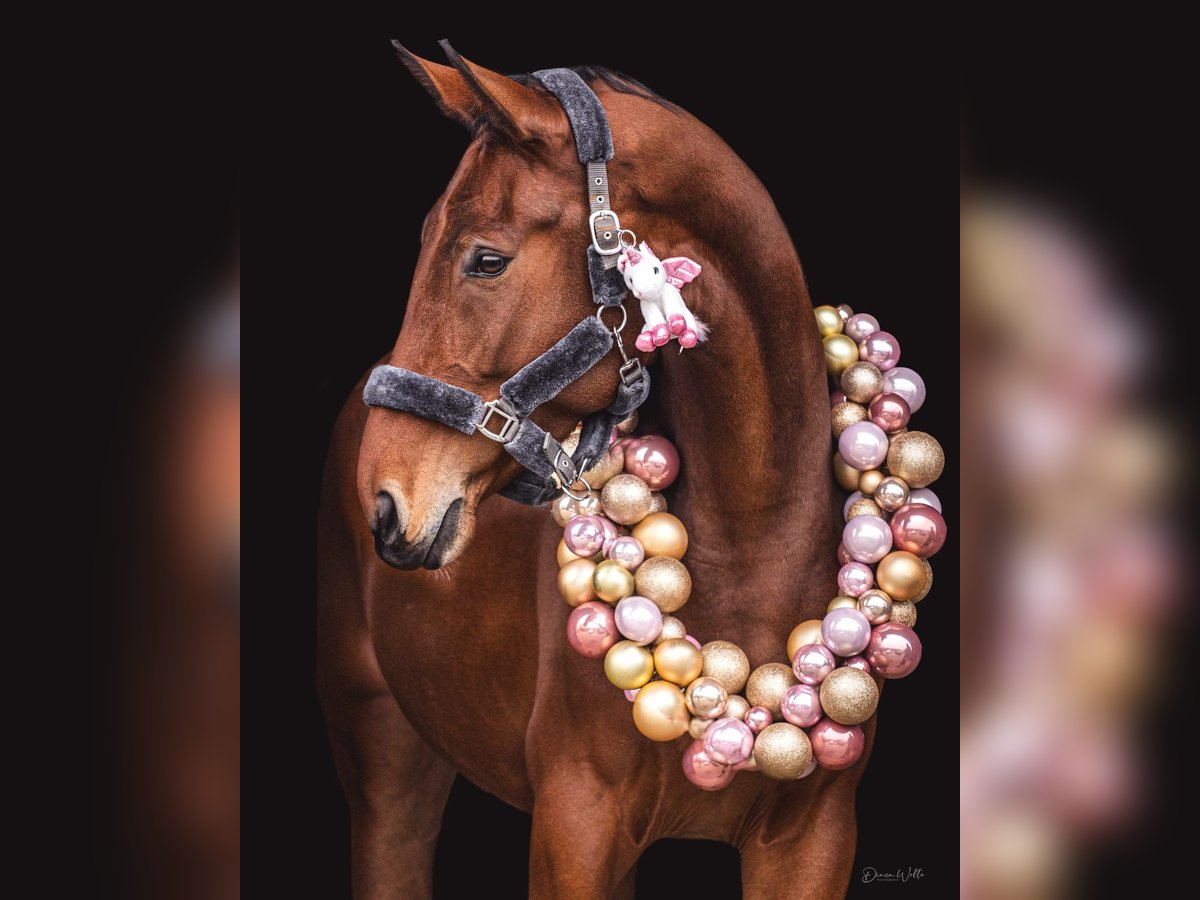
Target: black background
[{"x": 855, "y": 159}]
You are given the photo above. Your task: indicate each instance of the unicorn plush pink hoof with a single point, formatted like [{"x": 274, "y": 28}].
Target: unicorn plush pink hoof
[
  {"x": 644, "y": 342},
  {"x": 678, "y": 324},
  {"x": 661, "y": 335},
  {"x": 687, "y": 340}
]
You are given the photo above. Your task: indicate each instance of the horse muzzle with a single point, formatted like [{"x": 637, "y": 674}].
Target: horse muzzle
[{"x": 433, "y": 545}]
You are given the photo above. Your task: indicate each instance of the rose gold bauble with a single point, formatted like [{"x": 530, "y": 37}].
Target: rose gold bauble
[
  {"x": 845, "y": 474},
  {"x": 664, "y": 580},
  {"x": 658, "y": 503},
  {"x": 628, "y": 665},
  {"x": 575, "y": 581},
  {"x": 706, "y": 698},
  {"x": 659, "y": 711},
  {"x": 901, "y": 575},
  {"x": 876, "y": 606},
  {"x": 891, "y": 494},
  {"x": 626, "y": 499},
  {"x": 612, "y": 582},
  {"x": 861, "y": 382},
  {"x": 727, "y": 664},
  {"x": 846, "y": 414},
  {"x": 677, "y": 661},
  {"x": 767, "y": 685},
  {"x": 869, "y": 481},
  {"x": 661, "y": 534},
  {"x": 807, "y": 632},
  {"x": 849, "y": 696},
  {"x": 782, "y": 751},
  {"x": 703, "y": 772},
  {"x": 653, "y": 459},
  {"x": 916, "y": 457},
  {"x": 737, "y": 706},
  {"x": 563, "y": 509}
]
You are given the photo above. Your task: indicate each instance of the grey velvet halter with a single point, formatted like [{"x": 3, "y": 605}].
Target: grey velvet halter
[{"x": 506, "y": 419}]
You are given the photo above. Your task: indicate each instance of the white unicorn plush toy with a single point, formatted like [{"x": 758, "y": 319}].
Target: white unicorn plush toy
[{"x": 656, "y": 283}]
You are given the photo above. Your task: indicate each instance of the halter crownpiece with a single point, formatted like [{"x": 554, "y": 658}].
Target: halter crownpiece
[{"x": 551, "y": 470}]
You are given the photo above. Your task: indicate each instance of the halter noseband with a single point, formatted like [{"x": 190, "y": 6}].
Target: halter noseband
[{"x": 506, "y": 419}]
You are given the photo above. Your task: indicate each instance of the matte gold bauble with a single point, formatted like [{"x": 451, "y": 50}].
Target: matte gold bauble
[
  {"x": 849, "y": 696},
  {"x": 672, "y": 628},
  {"x": 563, "y": 509},
  {"x": 828, "y": 321},
  {"x": 845, "y": 474},
  {"x": 869, "y": 481},
  {"x": 610, "y": 464},
  {"x": 726, "y": 663},
  {"x": 845, "y": 414},
  {"x": 737, "y": 706},
  {"x": 767, "y": 685},
  {"x": 840, "y": 603},
  {"x": 625, "y": 499},
  {"x": 807, "y": 632},
  {"x": 678, "y": 661},
  {"x": 901, "y": 575},
  {"x": 698, "y": 727},
  {"x": 659, "y": 711},
  {"x": 612, "y": 581},
  {"x": 863, "y": 506},
  {"x": 928, "y": 583},
  {"x": 575, "y": 581},
  {"x": 565, "y": 556},
  {"x": 666, "y": 581},
  {"x": 782, "y": 751},
  {"x": 916, "y": 457},
  {"x": 628, "y": 665},
  {"x": 861, "y": 382},
  {"x": 661, "y": 534},
  {"x": 628, "y": 425},
  {"x": 658, "y": 503},
  {"x": 840, "y": 353},
  {"x": 891, "y": 493},
  {"x": 706, "y": 698},
  {"x": 904, "y": 612}
]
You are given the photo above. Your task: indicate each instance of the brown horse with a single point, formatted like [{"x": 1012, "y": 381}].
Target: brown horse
[{"x": 466, "y": 667}]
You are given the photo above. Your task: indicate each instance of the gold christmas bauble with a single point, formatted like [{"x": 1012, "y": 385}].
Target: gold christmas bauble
[
  {"x": 849, "y": 696},
  {"x": 845, "y": 474},
  {"x": 665, "y": 580},
  {"x": 904, "y": 612},
  {"x": 863, "y": 506},
  {"x": 727, "y": 664},
  {"x": 628, "y": 665},
  {"x": 588, "y": 506},
  {"x": 575, "y": 581},
  {"x": 658, "y": 503},
  {"x": 737, "y": 706},
  {"x": 625, "y": 499},
  {"x": 928, "y": 583},
  {"x": 628, "y": 425},
  {"x": 659, "y": 711},
  {"x": 672, "y": 628},
  {"x": 767, "y": 685},
  {"x": 869, "y": 480},
  {"x": 891, "y": 494},
  {"x": 612, "y": 581},
  {"x": 840, "y": 353},
  {"x": 807, "y": 632},
  {"x": 845, "y": 414},
  {"x": 562, "y": 508},
  {"x": 698, "y": 727},
  {"x": 901, "y": 575},
  {"x": 678, "y": 661},
  {"x": 840, "y": 603},
  {"x": 782, "y": 751},
  {"x": 565, "y": 556},
  {"x": 876, "y": 606},
  {"x": 861, "y": 382},
  {"x": 706, "y": 698},
  {"x": 610, "y": 464},
  {"x": 661, "y": 534},
  {"x": 916, "y": 457},
  {"x": 828, "y": 321}
]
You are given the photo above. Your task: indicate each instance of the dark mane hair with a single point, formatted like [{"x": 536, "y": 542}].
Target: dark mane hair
[{"x": 618, "y": 81}]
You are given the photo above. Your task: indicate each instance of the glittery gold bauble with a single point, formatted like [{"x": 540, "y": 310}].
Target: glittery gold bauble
[
  {"x": 863, "y": 506},
  {"x": 565, "y": 556},
  {"x": 869, "y": 480},
  {"x": 845, "y": 414},
  {"x": 782, "y": 751},
  {"x": 628, "y": 665},
  {"x": 575, "y": 581},
  {"x": 840, "y": 353},
  {"x": 767, "y": 685},
  {"x": 628, "y": 424},
  {"x": 876, "y": 606},
  {"x": 840, "y": 603},
  {"x": 612, "y": 581},
  {"x": 916, "y": 457},
  {"x": 697, "y": 727},
  {"x": 659, "y": 711},
  {"x": 807, "y": 632},
  {"x": 563, "y": 509},
  {"x": 904, "y": 612},
  {"x": 861, "y": 382},
  {"x": 727, "y": 664},
  {"x": 626, "y": 499},
  {"x": 610, "y": 464},
  {"x": 661, "y": 534},
  {"x": 571, "y": 443},
  {"x": 672, "y": 628},
  {"x": 664, "y": 580},
  {"x": 845, "y": 474},
  {"x": 828, "y": 321},
  {"x": 901, "y": 575},
  {"x": 589, "y": 505},
  {"x": 706, "y": 698},
  {"x": 928, "y": 583},
  {"x": 658, "y": 503},
  {"x": 677, "y": 661},
  {"x": 891, "y": 493},
  {"x": 737, "y": 706},
  {"x": 849, "y": 696}
]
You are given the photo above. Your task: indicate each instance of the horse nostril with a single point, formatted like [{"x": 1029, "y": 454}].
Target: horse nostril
[{"x": 387, "y": 528}]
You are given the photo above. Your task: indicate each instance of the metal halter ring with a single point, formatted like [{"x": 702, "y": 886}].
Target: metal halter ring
[
  {"x": 621, "y": 237},
  {"x": 566, "y": 489},
  {"x": 624, "y": 317}
]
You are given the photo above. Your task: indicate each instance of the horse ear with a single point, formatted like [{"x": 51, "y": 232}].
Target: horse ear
[
  {"x": 446, "y": 85},
  {"x": 508, "y": 106}
]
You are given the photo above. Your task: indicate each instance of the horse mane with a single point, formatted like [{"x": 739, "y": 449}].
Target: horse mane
[{"x": 617, "y": 81}]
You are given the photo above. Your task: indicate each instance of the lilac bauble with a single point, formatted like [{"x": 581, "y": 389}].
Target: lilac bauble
[
  {"x": 926, "y": 497},
  {"x": 845, "y": 631},
  {"x": 863, "y": 445},
  {"x": 693, "y": 641},
  {"x": 638, "y": 619},
  {"x": 627, "y": 552},
  {"x": 867, "y": 539},
  {"x": 836, "y": 746},
  {"x": 729, "y": 741},
  {"x": 813, "y": 662},
  {"x": 653, "y": 459},
  {"x": 860, "y": 326},
  {"x": 907, "y": 383},
  {"x": 801, "y": 705},
  {"x": 591, "y": 629},
  {"x": 855, "y": 579},
  {"x": 611, "y": 533},
  {"x": 584, "y": 535},
  {"x": 758, "y": 718},
  {"x": 703, "y": 771},
  {"x": 919, "y": 529},
  {"x": 880, "y": 349},
  {"x": 894, "y": 650},
  {"x": 631, "y": 695}
]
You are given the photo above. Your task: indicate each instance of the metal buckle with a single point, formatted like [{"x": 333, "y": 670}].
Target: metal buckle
[
  {"x": 511, "y": 422},
  {"x": 631, "y": 372},
  {"x": 605, "y": 228}
]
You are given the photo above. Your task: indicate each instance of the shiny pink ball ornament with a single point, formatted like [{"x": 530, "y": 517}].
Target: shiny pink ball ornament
[
  {"x": 611, "y": 533},
  {"x": 836, "y": 746},
  {"x": 693, "y": 641},
  {"x": 592, "y": 629},
  {"x": 836, "y": 397},
  {"x": 627, "y": 552},
  {"x": 855, "y": 579},
  {"x": 584, "y": 535},
  {"x": 867, "y": 539},
  {"x": 863, "y": 445},
  {"x": 919, "y": 529},
  {"x": 703, "y": 771},
  {"x": 880, "y": 349},
  {"x": 860, "y": 326},
  {"x": 813, "y": 662},
  {"x": 857, "y": 662},
  {"x": 801, "y": 705},
  {"x": 843, "y": 555},
  {"x": 894, "y": 650},
  {"x": 758, "y": 718},
  {"x": 845, "y": 631},
  {"x": 653, "y": 459},
  {"x": 631, "y": 695},
  {"x": 638, "y": 619},
  {"x": 889, "y": 411},
  {"x": 729, "y": 741},
  {"x": 907, "y": 383}
]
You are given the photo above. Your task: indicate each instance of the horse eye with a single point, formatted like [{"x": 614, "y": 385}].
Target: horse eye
[
  {"x": 656, "y": 270},
  {"x": 488, "y": 265}
]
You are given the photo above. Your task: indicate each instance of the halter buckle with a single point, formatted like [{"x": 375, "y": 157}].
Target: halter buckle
[
  {"x": 631, "y": 372},
  {"x": 605, "y": 228},
  {"x": 508, "y": 429}
]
